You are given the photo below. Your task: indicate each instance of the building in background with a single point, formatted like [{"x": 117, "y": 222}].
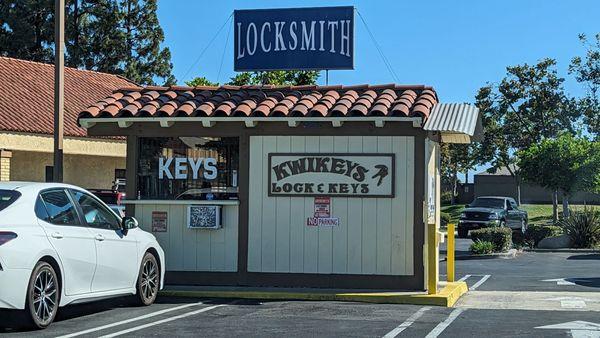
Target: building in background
[
  {"x": 26, "y": 125},
  {"x": 501, "y": 183}
]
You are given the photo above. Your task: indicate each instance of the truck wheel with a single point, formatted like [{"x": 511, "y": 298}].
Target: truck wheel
[
  {"x": 43, "y": 296},
  {"x": 463, "y": 233},
  {"x": 148, "y": 280}
]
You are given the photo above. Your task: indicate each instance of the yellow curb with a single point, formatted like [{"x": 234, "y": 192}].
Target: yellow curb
[{"x": 446, "y": 297}]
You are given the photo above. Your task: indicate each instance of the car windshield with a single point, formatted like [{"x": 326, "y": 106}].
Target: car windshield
[
  {"x": 488, "y": 203},
  {"x": 8, "y": 197}
]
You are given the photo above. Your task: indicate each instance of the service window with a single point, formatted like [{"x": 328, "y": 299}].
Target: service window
[{"x": 188, "y": 168}]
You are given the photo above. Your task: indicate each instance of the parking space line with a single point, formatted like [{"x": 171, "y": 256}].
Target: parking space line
[
  {"x": 443, "y": 325},
  {"x": 166, "y": 320},
  {"x": 481, "y": 281},
  {"x": 408, "y": 322},
  {"x": 464, "y": 278},
  {"x": 149, "y": 315}
]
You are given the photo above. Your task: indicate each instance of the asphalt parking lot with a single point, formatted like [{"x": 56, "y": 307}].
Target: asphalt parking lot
[{"x": 534, "y": 294}]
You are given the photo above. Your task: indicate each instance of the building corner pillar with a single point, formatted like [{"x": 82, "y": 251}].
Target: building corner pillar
[{"x": 5, "y": 157}]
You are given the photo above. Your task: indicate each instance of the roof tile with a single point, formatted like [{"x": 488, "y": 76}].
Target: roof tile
[{"x": 264, "y": 101}]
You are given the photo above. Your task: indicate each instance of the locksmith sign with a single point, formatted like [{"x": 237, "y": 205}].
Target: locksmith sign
[
  {"x": 343, "y": 174},
  {"x": 294, "y": 38}
]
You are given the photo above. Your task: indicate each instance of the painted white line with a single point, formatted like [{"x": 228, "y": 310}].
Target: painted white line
[
  {"x": 162, "y": 321},
  {"x": 408, "y": 322},
  {"x": 149, "y": 315},
  {"x": 443, "y": 325},
  {"x": 481, "y": 281},
  {"x": 464, "y": 278},
  {"x": 560, "y": 281},
  {"x": 572, "y": 304}
]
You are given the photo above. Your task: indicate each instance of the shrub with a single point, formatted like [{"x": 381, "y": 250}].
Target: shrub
[
  {"x": 536, "y": 232},
  {"x": 445, "y": 218},
  {"x": 446, "y": 197},
  {"x": 583, "y": 227},
  {"x": 501, "y": 238},
  {"x": 481, "y": 247}
]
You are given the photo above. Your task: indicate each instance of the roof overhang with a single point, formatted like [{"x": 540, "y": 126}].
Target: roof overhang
[
  {"x": 250, "y": 122},
  {"x": 456, "y": 122}
]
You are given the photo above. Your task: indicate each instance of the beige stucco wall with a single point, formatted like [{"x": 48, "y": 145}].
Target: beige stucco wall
[
  {"x": 82, "y": 170},
  {"x": 71, "y": 145}
]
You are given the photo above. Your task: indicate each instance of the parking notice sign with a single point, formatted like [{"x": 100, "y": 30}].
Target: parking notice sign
[
  {"x": 322, "y": 207},
  {"x": 159, "y": 221}
]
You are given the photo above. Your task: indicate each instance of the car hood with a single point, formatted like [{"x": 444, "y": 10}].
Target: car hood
[{"x": 479, "y": 209}]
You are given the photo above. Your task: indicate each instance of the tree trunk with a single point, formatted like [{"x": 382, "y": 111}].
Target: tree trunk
[
  {"x": 518, "y": 180},
  {"x": 565, "y": 203},
  {"x": 454, "y": 188},
  {"x": 555, "y": 206}
]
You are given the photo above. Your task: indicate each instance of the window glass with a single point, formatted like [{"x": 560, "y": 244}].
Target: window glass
[
  {"x": 59, "y": 209},
  {"x": 8, "y": 197},
  {"x": 95, "y": 214},
  {"x": 188, "y": 168}
]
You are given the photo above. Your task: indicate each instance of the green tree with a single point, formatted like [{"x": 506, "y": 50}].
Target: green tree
[
  {"x": 566, "y": 164},
  {"x": 458, "y": 158},
  {"x": 120, "y": 37},
  {"x": 527, "y": 106},
  {"x": 587, "y": 72},
  {"x": 27, "y": 29},
  {"x": 201, "y": 81},
  {"x": 277, "y": 77}
]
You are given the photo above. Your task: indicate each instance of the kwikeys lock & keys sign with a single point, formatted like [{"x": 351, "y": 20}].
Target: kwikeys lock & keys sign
[
  {"x": 294, "y": 39},
  {"x": 322, "y": 174}
]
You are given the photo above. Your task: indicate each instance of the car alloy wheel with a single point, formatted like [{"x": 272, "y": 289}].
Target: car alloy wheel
[
  {"x": 43, "y": 295},
  {"x": 148, "y": 280}
]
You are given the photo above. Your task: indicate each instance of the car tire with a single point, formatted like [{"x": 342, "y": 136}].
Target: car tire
[
  {"x": 463, "y": 233},
  {"x": 43, "y": 296},
  {"x": 148, "y": 280},
  {"x": 502, "y": 223}
]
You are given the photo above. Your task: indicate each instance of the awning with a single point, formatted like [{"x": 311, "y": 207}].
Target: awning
[{"x": 456, "y": 122}]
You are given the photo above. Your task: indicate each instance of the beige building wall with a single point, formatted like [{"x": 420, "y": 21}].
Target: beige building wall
[
  {"x": 375, "y": 235},
  {"x": 189, "y": 249},
  {"x": 81, "y": 170}
]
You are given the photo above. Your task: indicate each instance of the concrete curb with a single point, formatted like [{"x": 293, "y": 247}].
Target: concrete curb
[
  {"x": 570, "y": 250},
  {"x": 446, "y": 297},
  {"x": 512, "y": 253}
]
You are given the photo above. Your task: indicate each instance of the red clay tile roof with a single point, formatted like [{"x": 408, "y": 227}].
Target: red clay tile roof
[
  {"x": 263, "y": 101},
  {"x": 27, "y": 95}
]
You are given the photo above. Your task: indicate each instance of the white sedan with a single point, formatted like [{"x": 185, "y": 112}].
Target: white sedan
[{"x": 60, "y": 245}]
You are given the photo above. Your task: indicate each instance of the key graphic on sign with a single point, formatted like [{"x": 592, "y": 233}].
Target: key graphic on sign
[{"x": 382, "y": 173}]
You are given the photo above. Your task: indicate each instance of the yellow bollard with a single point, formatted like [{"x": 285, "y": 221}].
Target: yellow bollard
[
  {"x": 432, "y": 264},
  {"x": 450, "y": 253}
]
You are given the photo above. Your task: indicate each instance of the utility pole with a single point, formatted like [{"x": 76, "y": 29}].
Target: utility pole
[{"x": 59, "y": 87}]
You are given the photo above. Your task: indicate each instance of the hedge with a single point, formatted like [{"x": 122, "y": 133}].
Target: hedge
[
  {"x": 481, "y": 248},
  {"x": 500, "y": 237},
  {"x": 536, "y": 232}
]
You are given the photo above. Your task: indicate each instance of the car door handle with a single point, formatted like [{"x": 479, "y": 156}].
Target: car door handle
[
  {"x": 57, "y": 235},
  {"x": 99, "y": 238}
]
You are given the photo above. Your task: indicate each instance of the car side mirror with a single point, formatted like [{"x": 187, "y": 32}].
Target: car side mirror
[
  {"x": 128, "y": 223},
  {"x": 509, "y": 207}
]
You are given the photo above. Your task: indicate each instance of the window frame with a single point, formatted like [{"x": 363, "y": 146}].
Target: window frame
[
  {"x": 80, "y": 220},
  {"x": 99, "y": 201}
]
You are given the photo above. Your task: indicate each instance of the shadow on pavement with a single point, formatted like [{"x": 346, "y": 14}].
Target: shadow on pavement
[
  {"x": 585, "y": 257},
  {"x": 592, "y": 282}
]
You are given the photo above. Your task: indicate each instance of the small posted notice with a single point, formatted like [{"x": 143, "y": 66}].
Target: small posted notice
[
  {"x": 159, "y": 221},
  {"x": 322, "y": 213}
]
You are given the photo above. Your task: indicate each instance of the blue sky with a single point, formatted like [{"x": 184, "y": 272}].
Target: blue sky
[{"x": 454, "y": 46}]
